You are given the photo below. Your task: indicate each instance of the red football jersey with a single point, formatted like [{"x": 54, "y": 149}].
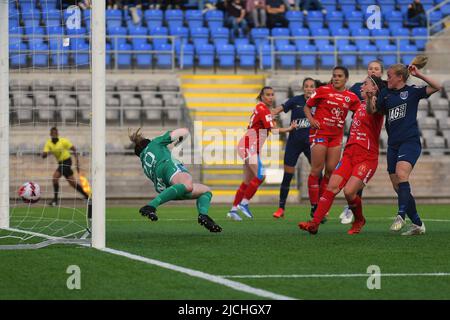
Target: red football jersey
[
  {"x": 365, "y": 130},
  {"x": 331, "y": 108},
  {"x": 257, "y": 131}
]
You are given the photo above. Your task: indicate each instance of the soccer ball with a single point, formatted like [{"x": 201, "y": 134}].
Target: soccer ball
[{"x": 30, "y": 192}]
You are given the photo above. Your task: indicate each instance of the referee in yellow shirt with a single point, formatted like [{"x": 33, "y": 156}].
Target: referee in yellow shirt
[{"x": 61, "y": 147}]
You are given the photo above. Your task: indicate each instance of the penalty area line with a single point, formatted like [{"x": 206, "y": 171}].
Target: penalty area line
[{"x": 202, "y": 275}]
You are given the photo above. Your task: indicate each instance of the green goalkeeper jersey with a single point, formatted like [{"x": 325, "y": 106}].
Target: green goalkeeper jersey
[{"x": 158, "y": 164}]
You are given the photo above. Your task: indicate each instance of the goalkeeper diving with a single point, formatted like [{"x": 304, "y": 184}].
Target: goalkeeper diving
[{"x": 171, "y": 179}]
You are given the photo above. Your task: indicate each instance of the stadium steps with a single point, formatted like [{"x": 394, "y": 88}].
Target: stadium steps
[{"x": 223, "y": 104}]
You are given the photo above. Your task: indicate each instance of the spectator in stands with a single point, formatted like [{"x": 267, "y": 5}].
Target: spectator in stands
[
  {"x": 276, "y": 14},
  {"x": 235, "y": 11},
  {"x": 257, "y": 9},
  {"x": 112, "y": 4},
  {"x": 154, "y": 4},
  {"x": 172, "y": 4},
  {"x": 85, "y": 4},
  {"x": 416, "y": 15},
  {"x": 308, "y": 5}
]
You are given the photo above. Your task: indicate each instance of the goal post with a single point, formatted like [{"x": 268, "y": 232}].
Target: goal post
[
  {"x": 98, "y": 127},
  {"x": 4, "y": 115}
]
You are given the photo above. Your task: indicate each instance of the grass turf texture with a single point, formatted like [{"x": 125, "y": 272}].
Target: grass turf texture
[{"x": 260, "y": 247}]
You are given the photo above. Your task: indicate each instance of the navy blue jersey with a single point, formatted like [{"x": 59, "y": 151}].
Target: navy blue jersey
[
  {"x": 356, "y": 89},
  {"x": 296, "y": 106},
  {"x": 400, "y": 108}
]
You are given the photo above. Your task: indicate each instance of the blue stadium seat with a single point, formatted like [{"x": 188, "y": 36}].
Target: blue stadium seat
[
  {"x": 138, "y": 31},
  {"x": 58, "y": 58},
  {"x": 124, "y": 58},
  {"x": 214, "y": 18},
  {"x": 32, "y": 23},
  {"x": 335, "y": 19},
  {"x": 199, "y": 35},
  {"x": 239, "y": 41},
  {"x": 386, "y": 5},
  {"x": 383, "y": 36},
  {"x": 87, "y": 19},
  {"x": 185, "y": 56},
  {"x": 286, "y": 56},
  {"x": 220, "y": 35},
  {"x": 329, "y": 5},
  {"x": 348, "y": 56},
  {"x": 320, "y": 32},
  {"x": 51, "y": 17},
  {"x": 436, "y": 16},
  {"x": 259, "y": 36},
  {"x": 158, "y": 32},
  {"x": 205, "y": 55},
  {"x": 129, "y": 19},
  {"x": 362, "y": 32},
  {"x": 13, "y": 23},
  {"x": 394, "y": 19},
  {"x": 194, "y": 18},
  {"x": 225, "y": 55},
  {"x": 17, "y": 59},
  {"x": 182, "y": 34},
  {"x": 56, "y": 35},
  {"x": 174, "y": 17},
  {"x": 143, "y": 60},
  {"x": 117, "y": 35},
  {"x": 368, "y": 54},
  {"x": 39, "y": 56},
  {"x": 300, "y": 32},
  {"x": 31, "y": 13},
  {"x": 445, "y": 9},
  {"x": 408, "y": 52},
  {"x": 113, "y": 17},
  {"x": 355, "y": 19},
  {"x": 153, "y": 18},
  {"x": 388, "y": 54},
  {"x": 280, "y": 32},
  {"x": 307, "y": 56},
  {"x": 48, "y": 4},
  {"x": 266, "y": 57},
  {"x": 81, "y": 56},
  {"x": 314, "y": 19},
  {"x": 401, "y": 32},
  {"x": 327, "y": 56},
  {"x": 420, "y": 37},
  {"x": 341, "y": 32},
  {"x": 347, "y": 5},
  {"x": 247, "y": 55},
  {"x": 108, "y": 55},
  {"x": 364, "y": 4},
  {"x": 295, "y": 17}
]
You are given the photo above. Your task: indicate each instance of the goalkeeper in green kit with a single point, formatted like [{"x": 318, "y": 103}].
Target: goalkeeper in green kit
[{"x": 171, "y": 179}]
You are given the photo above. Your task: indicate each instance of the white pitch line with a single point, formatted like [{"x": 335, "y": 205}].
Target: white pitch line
[
  {"x": 202, "y": 275},
  {"x": 342, "y": 275},
  {"x": 259, "y": 219}
]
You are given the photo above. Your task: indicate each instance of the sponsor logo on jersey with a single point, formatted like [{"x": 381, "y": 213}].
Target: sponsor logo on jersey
[
  {"x": 337, "y": 112},
  {"x": 347, "y": 99},
  {"x": 303, "y": 123},
  {"x": 332, "y": 102},
  {"x": 404, "y": 95},
  {"x": 397, "y": 112},
  {"x": 318, "y": 140}
]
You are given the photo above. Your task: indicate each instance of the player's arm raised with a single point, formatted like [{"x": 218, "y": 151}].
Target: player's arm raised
[
  {"x": 433, "y": 85},
  {"x": 179, "y": 135}
]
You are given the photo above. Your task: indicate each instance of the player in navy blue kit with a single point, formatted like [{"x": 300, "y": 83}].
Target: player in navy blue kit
[
  {"x": 374, "y": 68},
  {"x": 298, "y": 141},
  {"x": 399, "y": 102}
]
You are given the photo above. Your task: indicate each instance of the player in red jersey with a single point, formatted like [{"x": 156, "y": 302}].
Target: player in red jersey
[
  {"x": 358, "y": 164},
  {"x": 332, "y": 102},
  {"x": 261, "y": 123}
]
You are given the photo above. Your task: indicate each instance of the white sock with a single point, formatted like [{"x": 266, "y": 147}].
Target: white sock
[
  {"x": 233, "y": 208},
  {"x": 244, "y": 201}
]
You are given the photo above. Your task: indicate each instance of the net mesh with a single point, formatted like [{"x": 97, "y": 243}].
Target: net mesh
[{"x": 49, "y": 55}]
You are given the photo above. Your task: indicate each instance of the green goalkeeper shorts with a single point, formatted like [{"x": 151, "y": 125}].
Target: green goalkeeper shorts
[{"x": 165, "y": 173}]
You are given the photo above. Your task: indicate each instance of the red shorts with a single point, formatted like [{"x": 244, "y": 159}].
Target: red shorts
[
  {"x": 356, "y": 162},
  {"x": 329, "y": 141},
  {"x": 247, "y": 147}
]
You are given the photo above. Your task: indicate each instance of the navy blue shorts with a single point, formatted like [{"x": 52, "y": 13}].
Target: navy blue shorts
[
  {"x": 408, "y": 151},
  {"x": 293, "y": 150}
]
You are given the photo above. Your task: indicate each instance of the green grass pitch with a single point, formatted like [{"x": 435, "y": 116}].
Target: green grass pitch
[{"x": 263, "y": 246}]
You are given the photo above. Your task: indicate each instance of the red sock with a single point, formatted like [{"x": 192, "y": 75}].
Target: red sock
[
  {"x": 240, "y": 194},
  {"x": 323, "y": 185},
  {"x": 252, "y": 188},
  {"x": 313, "y": 189},
  {"x": 356, "y": 206},
  {"x": 325, "y": 202}
]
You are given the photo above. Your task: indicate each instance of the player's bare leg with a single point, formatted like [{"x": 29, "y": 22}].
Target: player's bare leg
[
  {"x": 351, "y": 190},
  {"x": 284, "y": 191},
  {"x": 253, "y": 166},
  {"x": 55, "y": 181},
  {"x": 318, "y": 157}
]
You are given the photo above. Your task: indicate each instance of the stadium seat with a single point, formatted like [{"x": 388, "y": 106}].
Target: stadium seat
[
  {"x": 307, "y": 56},
  {"x": 199, "y": 36},
  {"x": 347, "y": 5},
  {"x": 181, "y": 34},
  {"x": 286, "y": 56},
  {"x": 160, "y": 34},
  {"x": 408, "y": 52},
  {"x": 403, "y": 33},
  {"x": 420, "y": 37},
  {"x": 214, "y": 18},
  {"x": 24, "y": 107},
  {"x": 173, "y": 17},
  {"x": 185, "y": 56},
  {"x": 172, "y": 108},
  {"x": 327, "y": 56},
  {"x": 58, "y": 58},
  {"x": 39, "y": 57},
  {"x": 440, "y": 108},
  {"x": 382, "y": 37},
  {"x": 205, "y": 55},
  {"x": 280, "y": 32},
  {"x": 436, "y": 16},
  {"x": 314, "y": 20},
  {"x": 30, "y": 13},
  {"x": 113, "y": 17},
  {"x": 240, "y": 41},
  {"x": 152, "y": 107},
  {"x": 112, "y": 110},
  {"x": 368, "y": 53},
  {"x": 67, "y": 107},
  {"x": 225, "y": 55},
  {"x": 294, "y": 17},
  {"x": 138, "y": 35},
  {"x": 129, "y": 18},
  {"x": 428, "y": 127},
  {"x": 153, "y": 18},
  {"x": 362, "y": 36},
  {"x": 45, "y": 107},
  {"x": 163, "y": 58},
  {"x": 52, "y": 17},
  {"x": 348, "y": 56},
  {"x": 338, "y": 33},
  {"x": 117, "y": 35},
  {"x": 335, "y": 19},
  {"x": 387, "y": 5},
  {"x": 17, "y": 58},
  {"x": 388, "y": 54},
  {"x": 265, "y": 57},
  {"x": 124, "y": 58},
  {"x": 354, "y": 19},
  {"x": 81, "y": 55},
  {"x": 247, "y": 55},
  {"x": 194, "y": 18},
  {"x": 220, "y": 35},
  {"x": 321, "y": 37},
  {"x": 259, "y": 36},
  {"x": 143, "y": 60},
  {"x": 300, "y": 32},
  {"x": 169, "y": 85},
  {"x": 131, "y": 106},
  {"x": 394, "y": 19}
]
